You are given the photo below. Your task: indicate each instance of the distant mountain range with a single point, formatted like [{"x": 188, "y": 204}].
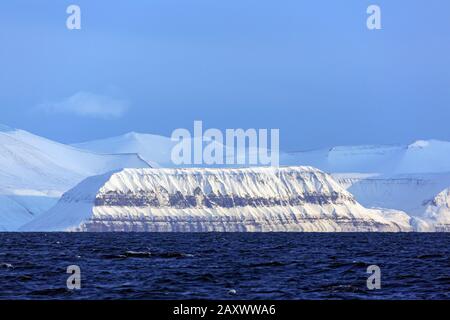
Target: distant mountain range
[
  {"x": 422, "y": 156},
  {"x": 402, "y": 177},
  {"x": 154, "y": 149},
  {"x": 35, "y": 171}
]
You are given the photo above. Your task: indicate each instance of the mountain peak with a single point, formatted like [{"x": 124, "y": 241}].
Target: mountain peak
[{"x": 421, "y": 144}]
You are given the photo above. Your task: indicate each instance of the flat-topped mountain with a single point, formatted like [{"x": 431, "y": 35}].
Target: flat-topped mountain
[{"x": 201, "y": 200}]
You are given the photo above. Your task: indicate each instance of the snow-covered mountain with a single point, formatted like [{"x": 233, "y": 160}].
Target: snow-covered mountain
[
  {"x": 401, "y": 177},
  {"x": 405, "y": 178},
  {"x": 35, "y": 171},
  {"x": 406, "y": 192},
  {"x": 423, "y": 156},
  {"x": 437, "y": 213},
  {"x": 247, "y": 199},
  {"x": 154, "y": 149}
]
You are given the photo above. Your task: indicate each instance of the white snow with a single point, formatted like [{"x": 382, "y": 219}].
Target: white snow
[
  {"x": 398, "y": 177},
  {"x": 78, "y": 209},
  {"x": 429, "y": 156},
  {"x": 155, "y": 149},
  {"x": 35, "y": 172},
  {"x": 423, "y": 156},
  {"x": 402, "y": 177},
  {"x": 437, "y": 213},
  {"x": 406, "y": 192}
]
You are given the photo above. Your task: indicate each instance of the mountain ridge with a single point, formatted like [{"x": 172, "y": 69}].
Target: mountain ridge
[{"x": 35, "y": 172}]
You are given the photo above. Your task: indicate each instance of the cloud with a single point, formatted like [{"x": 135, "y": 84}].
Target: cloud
[{"x": 87, "y": 104}]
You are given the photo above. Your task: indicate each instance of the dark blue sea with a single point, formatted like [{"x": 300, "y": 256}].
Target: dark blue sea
[{"x": 224, "y": 266}]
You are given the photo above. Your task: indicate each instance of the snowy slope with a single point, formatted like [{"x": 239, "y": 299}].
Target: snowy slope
[
  {"x": 155, "y": 149},
  {"x": 406, "y": 192},
  {"x": 437, "y": 213},
  {"x": 397, "y": 177},
  {"x": 12, "y": 214},
  {"x": 401, "y": 177},
  {"x": 248, "y": 199},
  {"x": 422, "y": 156},
  {"x": 35, "y": 171}
]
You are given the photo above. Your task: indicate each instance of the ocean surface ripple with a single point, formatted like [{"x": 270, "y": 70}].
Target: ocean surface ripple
[{"x": 225, "y": 265}]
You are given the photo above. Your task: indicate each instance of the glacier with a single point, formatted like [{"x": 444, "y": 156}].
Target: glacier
[{"x": 259, "y": 199}]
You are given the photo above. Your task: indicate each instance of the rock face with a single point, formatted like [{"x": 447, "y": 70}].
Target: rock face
[{"x": 225, "y": 200}]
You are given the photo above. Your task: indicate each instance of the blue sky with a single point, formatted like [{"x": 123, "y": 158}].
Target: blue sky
[{"x": 310, "y": 68}]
